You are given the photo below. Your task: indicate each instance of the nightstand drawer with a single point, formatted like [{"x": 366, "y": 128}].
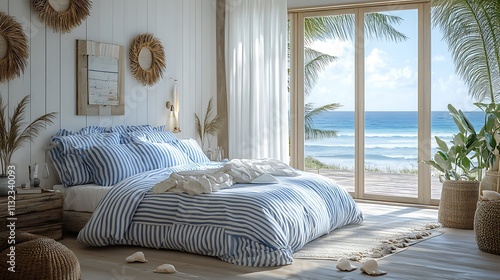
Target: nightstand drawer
[{"x": 39, "y": 213}]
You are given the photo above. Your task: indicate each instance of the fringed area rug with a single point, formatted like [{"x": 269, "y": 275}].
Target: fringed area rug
[{"x": 386, "y": 229}]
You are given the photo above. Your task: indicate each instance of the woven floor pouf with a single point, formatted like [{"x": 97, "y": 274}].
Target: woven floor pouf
[
  {"x": 38, "y": 257},
  {"x": 487, "y": 226}
]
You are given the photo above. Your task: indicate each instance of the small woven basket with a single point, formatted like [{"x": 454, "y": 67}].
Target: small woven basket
[
  {"x": 38, "y": 257},
  {"x": 458, "y": 204},
  {"x": 487, "y": 226}
]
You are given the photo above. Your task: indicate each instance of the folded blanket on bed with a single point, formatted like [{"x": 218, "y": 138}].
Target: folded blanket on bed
[
  {"x": 195, "y": 182},
  {"x": 234, "y": 171},
  {"x": 247, "y": 170}
]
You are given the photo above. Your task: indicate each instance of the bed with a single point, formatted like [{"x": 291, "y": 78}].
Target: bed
[
  {"x": 79, "y": 204},
  {"x": 245, "y": 224}
]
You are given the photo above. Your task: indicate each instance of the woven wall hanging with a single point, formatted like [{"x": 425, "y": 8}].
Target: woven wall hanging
[
  {"x": 147, "y": 59},
  {"x": 13, "y": 48},
  {"x": 62, "y": 15}
]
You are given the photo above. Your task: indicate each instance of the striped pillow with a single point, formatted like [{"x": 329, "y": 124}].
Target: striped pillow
[
  {"x": 129, "y": 128},
  {"x": 85, "y": 130},
  {"x": 161, "y": 155},
  {"x": 191, "y": 148},
  {"x": 112, "y": 163},
  {"x": 148, "y": 136},
  {"x": 66, "y": 158}
]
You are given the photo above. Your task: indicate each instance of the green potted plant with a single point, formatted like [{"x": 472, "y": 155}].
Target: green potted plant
[
  {"x": 490, "y": 146},
  {"x": 461, "y": 163},
  {"x": 13, "y": 136}
]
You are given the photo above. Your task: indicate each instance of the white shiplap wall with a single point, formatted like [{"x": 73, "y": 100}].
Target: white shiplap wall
[{"x": 187, "y": 30}]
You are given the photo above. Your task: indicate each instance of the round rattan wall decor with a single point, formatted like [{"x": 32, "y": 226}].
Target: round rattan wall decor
[
  {"x": 13, "y": 48},
  {"x": 147, "y": 59},
  {"x": 62, "y": 15}
]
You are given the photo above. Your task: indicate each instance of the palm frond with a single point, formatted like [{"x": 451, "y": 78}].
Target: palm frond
[
  {"x": 343, "y": 27},
  {"x": 315, "y": 63},
  {"x": 472, "y": 31},
  {"x": 329, "y": 27},
  {"x": 381, "y": 27},
  {"x": 310, "y": 111},
  {"x": 313, "y": 133}
]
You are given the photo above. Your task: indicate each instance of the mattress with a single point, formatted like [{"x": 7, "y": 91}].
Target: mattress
[{"x": 83, "y": 198}]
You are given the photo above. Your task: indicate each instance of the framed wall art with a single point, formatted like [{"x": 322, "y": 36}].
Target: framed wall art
[{"x": 99, "y": 79}]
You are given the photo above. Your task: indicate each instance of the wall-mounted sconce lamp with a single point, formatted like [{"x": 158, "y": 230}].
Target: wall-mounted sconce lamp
[{"x": 173, "y": 110}]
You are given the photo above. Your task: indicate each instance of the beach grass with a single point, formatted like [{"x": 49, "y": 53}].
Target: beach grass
[{"x": 313, "y": 163}]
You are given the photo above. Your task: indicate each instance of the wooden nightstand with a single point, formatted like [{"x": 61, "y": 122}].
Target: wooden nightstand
[{"x": 38, "y": 213}]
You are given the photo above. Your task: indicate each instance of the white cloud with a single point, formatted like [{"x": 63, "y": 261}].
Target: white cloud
[
  {"x": 391, "y": 84},
  {"x": 438, "y": 58},
  {"x": 451, "y": 89},
  {"x": 394, "y": 78},
  {"x": 376, "y": 60}
]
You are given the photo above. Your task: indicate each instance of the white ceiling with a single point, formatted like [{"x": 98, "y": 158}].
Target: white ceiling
[{"x": 315, "y": 3}]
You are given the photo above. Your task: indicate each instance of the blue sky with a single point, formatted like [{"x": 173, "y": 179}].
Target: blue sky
[{"x": 390, "y": 73}]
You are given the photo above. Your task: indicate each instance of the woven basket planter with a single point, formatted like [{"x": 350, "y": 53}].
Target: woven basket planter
[
  {"x": 487, "y": 226},
  {"x": 458, "y": 204}
]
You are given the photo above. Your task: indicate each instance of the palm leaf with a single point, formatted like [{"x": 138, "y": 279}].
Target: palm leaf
[
  {"x": 314, "y": 63},
  {"x": 472, "y": 32},
  {"x": 343, "y": 27},
  {"x": 310, "y": 111},
  {"x": 381, "y": 27}
]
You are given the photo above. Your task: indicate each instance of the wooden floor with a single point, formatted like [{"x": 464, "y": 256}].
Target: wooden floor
[{"x": 452, "y": 255}]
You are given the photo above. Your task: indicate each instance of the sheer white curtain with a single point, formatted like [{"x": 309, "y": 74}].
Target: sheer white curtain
[{"x": 256, "y": 64}]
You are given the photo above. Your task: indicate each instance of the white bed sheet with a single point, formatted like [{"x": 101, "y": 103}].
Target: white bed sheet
[{"x": 82, "y": 198}]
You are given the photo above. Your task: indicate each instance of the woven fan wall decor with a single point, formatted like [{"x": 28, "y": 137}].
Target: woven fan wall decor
[
  {"x": 13, "y": 48},
  {"x": 147, "y": 59},
  {"x": 62, "y": 15}
]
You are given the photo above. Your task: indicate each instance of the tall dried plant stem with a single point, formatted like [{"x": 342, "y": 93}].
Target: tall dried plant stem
[
  {"x": 211, "y": 124},
  {"x": 12, "y": 137}
]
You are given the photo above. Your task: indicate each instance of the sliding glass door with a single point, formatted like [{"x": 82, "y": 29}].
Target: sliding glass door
[
  {"x": 329, "y": 97},
  {"x": 391, "y": 105},
  {"x": 366, "y": 110}
]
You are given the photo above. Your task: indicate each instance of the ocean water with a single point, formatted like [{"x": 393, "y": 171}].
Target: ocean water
[{"x": 391, "y": 141}]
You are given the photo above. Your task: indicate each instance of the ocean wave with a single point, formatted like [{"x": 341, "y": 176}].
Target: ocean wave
[
  {"x": 367, "y": 157},
  {"x": 379, "y": 146},
  {"x": 395, "y": 134}
]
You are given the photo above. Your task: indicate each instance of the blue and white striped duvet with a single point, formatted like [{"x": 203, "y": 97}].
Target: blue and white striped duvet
[{"x": 247, "y": 224}]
